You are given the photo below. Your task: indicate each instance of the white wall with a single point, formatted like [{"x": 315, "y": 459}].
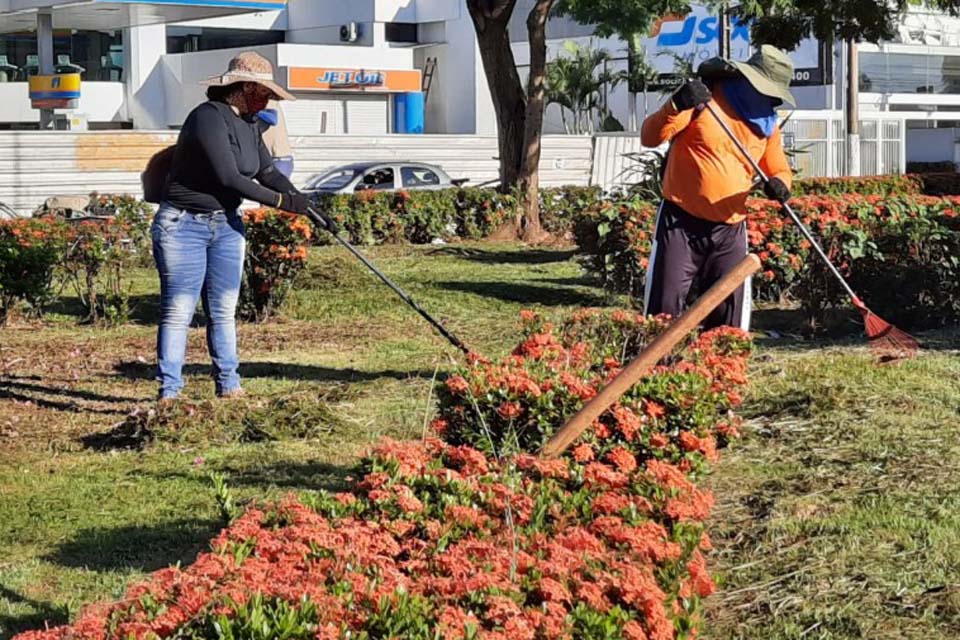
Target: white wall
[
  {"x": 182, "y": 73},
  {"x": 144, "y": 75},
  {"x": 396, "y": 11},
  {"x": 310, "y": 14},
  {"x": 438, "y": 10},
  {"x": 931, "y": 145},
  {"x": 300, "y": 55}
]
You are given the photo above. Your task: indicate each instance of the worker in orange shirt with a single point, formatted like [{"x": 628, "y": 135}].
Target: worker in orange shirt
[{"x": 701, "y": 230}]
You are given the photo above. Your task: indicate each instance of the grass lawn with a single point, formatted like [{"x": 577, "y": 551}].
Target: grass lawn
[{"x": 837, "y": 513}]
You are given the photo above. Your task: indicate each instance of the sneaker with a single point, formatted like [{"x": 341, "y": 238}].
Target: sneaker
[{"x": 233, "y": 394}]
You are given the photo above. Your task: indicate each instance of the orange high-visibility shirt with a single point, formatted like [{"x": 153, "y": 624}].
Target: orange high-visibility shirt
[{"x": 706, "y": 175}]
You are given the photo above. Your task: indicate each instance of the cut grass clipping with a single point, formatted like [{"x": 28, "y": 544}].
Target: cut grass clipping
[{"x": 302, "y": 416}]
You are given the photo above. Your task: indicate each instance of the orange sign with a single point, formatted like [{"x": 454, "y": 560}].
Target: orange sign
[{"x": 370, "y": 80}]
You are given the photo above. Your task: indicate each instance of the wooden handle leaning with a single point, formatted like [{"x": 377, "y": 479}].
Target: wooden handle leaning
[{"x": 650, "y": 356}]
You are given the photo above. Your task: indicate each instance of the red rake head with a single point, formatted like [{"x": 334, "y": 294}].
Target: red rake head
[{"x": 886, "y": 340}]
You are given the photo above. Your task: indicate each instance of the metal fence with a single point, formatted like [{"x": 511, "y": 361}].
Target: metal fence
[
  {"x": 818, "y": 143},
  {"x": 36, "y": 165}
]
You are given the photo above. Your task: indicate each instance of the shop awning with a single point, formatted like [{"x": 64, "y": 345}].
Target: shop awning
[{"x": 20, "y": 15}]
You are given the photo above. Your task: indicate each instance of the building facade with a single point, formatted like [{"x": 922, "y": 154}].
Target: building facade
[{"x": 355, "y": 64}]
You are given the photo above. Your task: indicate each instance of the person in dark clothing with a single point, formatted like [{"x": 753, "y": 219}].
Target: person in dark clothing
[{"x": 198, "y": 236}]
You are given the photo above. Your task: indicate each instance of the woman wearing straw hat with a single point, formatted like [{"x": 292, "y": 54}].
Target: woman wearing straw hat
[
  {"x": 198, "y": 236},
  {"x": 701, "y": 229}
]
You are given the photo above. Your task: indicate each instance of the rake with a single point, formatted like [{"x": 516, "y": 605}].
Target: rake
[
  {"x": 886, "y": 340},
  {"x": 443, "y": 331}
]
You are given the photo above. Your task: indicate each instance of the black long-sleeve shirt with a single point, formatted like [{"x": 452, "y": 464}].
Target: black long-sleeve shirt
[{"x": 218, "y": 157}]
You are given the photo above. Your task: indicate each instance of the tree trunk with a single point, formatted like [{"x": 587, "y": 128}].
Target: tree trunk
[
  {"x": 92, "y": 299},
  {"x": 490, "y": 20},
  {"x": 533, "y": 128}
]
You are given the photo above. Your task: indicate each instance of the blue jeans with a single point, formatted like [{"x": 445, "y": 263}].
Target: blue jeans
[{"x": 198, "y": 255}]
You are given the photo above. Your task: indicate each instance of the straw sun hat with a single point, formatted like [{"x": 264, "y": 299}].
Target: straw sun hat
[
  {"x": 249, "y": 66},
  {"x": 769, "y": 70}
]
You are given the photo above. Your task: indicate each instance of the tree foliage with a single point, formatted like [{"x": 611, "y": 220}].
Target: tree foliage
[
  {"x": 619, "y": 17},
  {"x": 786, "y": 22}
]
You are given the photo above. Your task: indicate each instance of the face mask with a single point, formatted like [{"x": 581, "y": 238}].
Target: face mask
[{"x": 752, "y": 106}]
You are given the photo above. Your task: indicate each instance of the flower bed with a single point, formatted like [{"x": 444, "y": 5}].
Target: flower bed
[
  {"x": 91, "y": 257},
  {"x": 469, "y": 535},
  {"x": 276, "y": 254},
  {"x": 30, "y": 250},
  {"x": 897, "y": 252}
]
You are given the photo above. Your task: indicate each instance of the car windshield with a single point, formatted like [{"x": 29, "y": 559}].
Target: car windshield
[{"x": 336, "y": 179}]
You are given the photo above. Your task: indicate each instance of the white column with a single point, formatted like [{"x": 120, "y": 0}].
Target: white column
[
  {"x": 144, "y": 48},
  {"x": 463, "y": 86}
]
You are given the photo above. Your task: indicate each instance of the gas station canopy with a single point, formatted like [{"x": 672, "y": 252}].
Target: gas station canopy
[{"x": 21, "y": 15}]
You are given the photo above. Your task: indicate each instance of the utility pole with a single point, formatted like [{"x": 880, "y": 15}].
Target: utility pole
[
  {"x": 633, "y": 71},
  {"x": 724, "y": 26},
  {"x": 853, "y": 109}
]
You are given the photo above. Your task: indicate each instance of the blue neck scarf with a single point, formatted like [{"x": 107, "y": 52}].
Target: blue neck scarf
[{"x": 751, "y": 105}]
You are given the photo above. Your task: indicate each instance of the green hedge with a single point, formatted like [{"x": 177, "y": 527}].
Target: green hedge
[
  {"x": 899, "y": 253},
  {"x": 420, "y": 217},
  {"x": 865, "y": 186}
]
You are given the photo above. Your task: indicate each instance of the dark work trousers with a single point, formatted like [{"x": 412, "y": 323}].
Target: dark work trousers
[{"x": 687, "y": 249}]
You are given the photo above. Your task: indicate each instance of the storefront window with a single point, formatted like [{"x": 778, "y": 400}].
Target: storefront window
[
  {"x": 96, "y": 55},
  {"x": 909, "y": 73},
  {"x": 189, "y": 39}
]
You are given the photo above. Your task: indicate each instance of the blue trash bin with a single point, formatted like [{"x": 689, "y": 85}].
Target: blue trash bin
[{"x": 409, "y": 112}]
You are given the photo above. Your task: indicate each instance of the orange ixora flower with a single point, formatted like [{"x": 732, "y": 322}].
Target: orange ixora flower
[{"x": 468, "y": 532}]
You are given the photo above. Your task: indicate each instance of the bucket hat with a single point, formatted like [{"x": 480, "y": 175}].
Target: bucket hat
[
  {"x": 249, "y": 66},
  {"x": 769, "y": 70}
]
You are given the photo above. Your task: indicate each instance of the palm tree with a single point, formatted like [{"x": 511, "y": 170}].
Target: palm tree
[
  {"x": 574, "y": 82},
  {"x": 641, "y": 75}
]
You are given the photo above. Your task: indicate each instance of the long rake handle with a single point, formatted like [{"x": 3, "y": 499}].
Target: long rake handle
[
  {"x": 648, "y": 359},
  {"x": 454, "y": 340},
  {"x": 786, "y": 207}
]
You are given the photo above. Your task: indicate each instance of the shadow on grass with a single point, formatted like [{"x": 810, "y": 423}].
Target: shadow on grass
[
  {"x": 308, "y": 476},
  {"x": 136, "y": 547},
  {"x": 278, "y": 371},
  {"x": 64, "y": 399},
  {"x": 294, "y": 476},
  {"x": 144, "y": 309},
  {"x": 44, "y": 613},
  {"x": 526, "y": 293},
  {"x": 789, "y": 329},
  {"x": 530, "y": 256}
]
